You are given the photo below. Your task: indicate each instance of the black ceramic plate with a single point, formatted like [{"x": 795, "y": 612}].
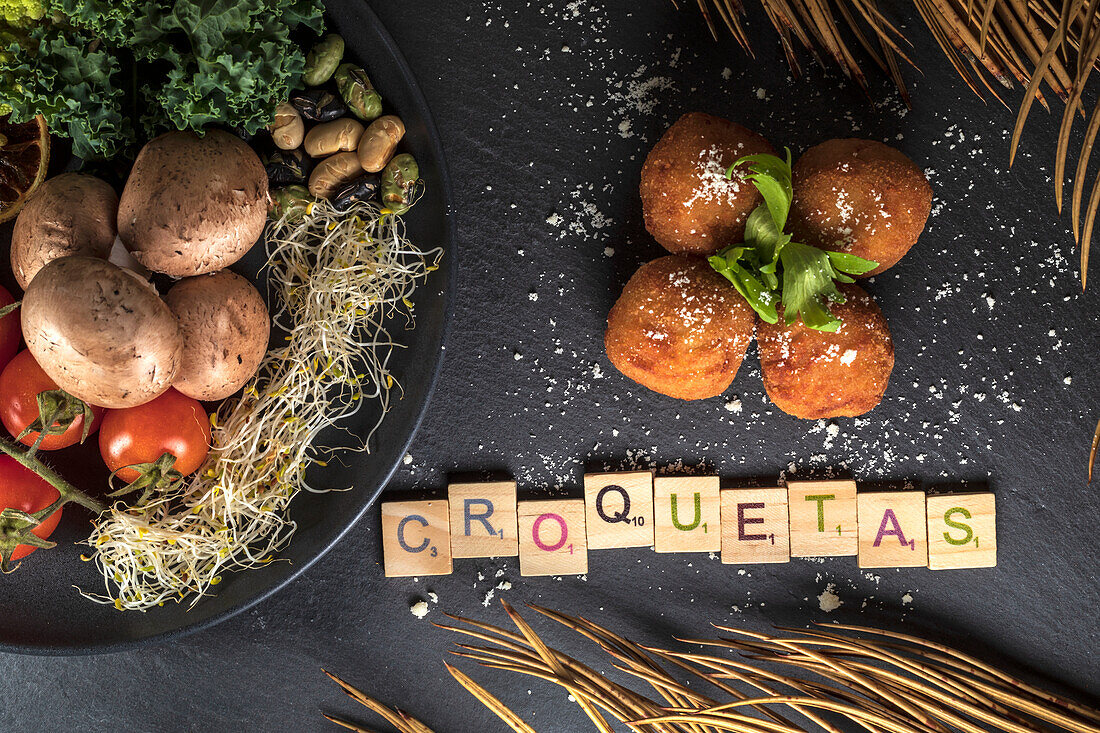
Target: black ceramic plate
[{"x": 42, "y": 611}]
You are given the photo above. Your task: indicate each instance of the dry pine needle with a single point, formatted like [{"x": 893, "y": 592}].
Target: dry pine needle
[{"x": 880, "y": 681}]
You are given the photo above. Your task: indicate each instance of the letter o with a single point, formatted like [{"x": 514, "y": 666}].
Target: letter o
[{"x": 564, "y": 532}]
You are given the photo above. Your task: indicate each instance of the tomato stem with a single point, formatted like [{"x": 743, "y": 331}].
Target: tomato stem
[{"x": 68, "y": 492}]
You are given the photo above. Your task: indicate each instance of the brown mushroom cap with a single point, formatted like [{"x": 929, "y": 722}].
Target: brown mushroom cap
[
  {"x": 101, "y": 332},
  {"x": 225, "y": 327},
  {"x": 193, "y": 204},
  {"x": 71, "y": 214}
]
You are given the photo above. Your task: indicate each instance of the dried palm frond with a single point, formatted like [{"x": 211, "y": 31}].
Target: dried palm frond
[
  {"x": 403, "y": 722},
  {"x": 1029, "y": 43},
  {"x": 1095, "y": 446},
  {"x": 878, "y": 680}
]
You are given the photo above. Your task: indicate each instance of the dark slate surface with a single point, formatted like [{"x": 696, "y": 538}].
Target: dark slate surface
[{"x": 546, "y": 112}]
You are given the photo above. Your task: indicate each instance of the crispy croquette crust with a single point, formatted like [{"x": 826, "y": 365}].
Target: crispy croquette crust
[
  {"x": 688, "y": 205},
  {"x": 862, "y": 197},
  {"x": 815, "y": 374},
  {"x": 679, "y": 329}
]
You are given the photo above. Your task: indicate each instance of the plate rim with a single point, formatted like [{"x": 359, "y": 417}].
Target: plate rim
[{"x": 435, "y": 144}]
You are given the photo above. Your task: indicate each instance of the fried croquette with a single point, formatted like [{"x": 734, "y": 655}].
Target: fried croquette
[
  {"x": 689, "y": 205},
  {"x": 861, "y": 197},
  {"x": 679, "y": 329},
  {"x": 816, "y": 374}
]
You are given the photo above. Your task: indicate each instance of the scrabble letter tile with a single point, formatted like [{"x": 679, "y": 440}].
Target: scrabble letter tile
[
  {"x": 823, "y": 518},
  {"x": 483, "y": 519},
  {"x": 619, "y": 509},
  {"x": 552, "y": 539},
  {"x": 893, "y": 529},
  {"x": 416, "y": 538},
  {"x": 687, "y": 514},
  {"x": 755, "y": 527},
  {"x": 962, "y": 531}
]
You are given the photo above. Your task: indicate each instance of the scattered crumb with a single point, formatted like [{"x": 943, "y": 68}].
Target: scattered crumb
[
  {"x": 829, "y": 601},
  {"x": 419, "y": 609}
]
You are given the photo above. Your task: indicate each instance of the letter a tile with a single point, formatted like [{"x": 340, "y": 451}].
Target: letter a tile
[{"x": 893, "y": 529}]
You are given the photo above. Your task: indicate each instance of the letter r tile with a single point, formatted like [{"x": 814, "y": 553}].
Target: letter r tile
[{"x": 483, "y": 519}]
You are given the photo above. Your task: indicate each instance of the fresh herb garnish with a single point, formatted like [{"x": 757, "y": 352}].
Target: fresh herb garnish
[{"x": 769, "y": 268}]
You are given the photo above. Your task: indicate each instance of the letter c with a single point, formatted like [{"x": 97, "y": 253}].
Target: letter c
[{"x": 401, "y": 534}]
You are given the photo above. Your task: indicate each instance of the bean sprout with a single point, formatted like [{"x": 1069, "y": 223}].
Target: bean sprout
[{"x": 338, "y": 279}]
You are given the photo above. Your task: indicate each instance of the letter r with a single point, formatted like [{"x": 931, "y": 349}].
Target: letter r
[{"x": 482, "y": 516}]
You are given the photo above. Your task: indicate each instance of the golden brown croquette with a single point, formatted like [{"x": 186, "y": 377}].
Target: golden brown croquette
[
  {"x": 862, "y": 197},
  {"x": 679, "y": 328},
  {"x": 688, "y": 204},
  {"x": 816, "y": 374}
]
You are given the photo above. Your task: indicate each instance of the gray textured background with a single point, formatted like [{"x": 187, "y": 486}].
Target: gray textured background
[{"x": 547, "y": 110}]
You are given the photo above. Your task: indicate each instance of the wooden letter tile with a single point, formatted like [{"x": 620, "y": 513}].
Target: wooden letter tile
[
  {"x": 755, "y": 526},
  {"x": 619, "y": 509},
  {"x": 893, "y": 529},
  {"x": 552, "y": 538},
  {"x": 823, "y": 518},
  {"x": 687, "y": 514},
  {"x": 416, "y": 538},
  {"x": 962, "y": 531},
  {"x": 483, "y": 519}
]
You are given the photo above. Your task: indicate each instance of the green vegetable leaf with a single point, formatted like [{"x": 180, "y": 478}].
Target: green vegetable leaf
[
  {"x": 807, "y": 284},
  {"x": 113, "y": 65},
  {"x": 772, "y": 178},
  {"x": 757, "y": 294},
  {"x": 851, "y": 264},
  {"x": 770, "y": 268}
]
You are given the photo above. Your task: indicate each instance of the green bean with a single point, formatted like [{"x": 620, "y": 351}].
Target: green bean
[
  {"x": 322, "y": 61},
  {"x": 291, "y": 201},
  {"x": 359, "y": 94},
  {"x": 400, "y": 181}
]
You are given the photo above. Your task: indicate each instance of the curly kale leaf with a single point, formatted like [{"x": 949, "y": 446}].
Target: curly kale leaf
[
  {"x": 61, "y": 75},
  {"x": 230, "y": 62},
  {"x": 112, "y": 21},
  {"x": 105, "y": 66}
]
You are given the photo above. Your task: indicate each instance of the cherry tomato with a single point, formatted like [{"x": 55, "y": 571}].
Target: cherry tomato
[
  {"x": 172, "y": 423},
  {"x": 10, "y": 331},
  {"x": 20, "y": 383},
  {"x": 23, "y": 489}
]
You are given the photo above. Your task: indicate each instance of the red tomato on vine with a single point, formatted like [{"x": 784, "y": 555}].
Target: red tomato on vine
[
  {"x": 20, "y": 384},
  {"x": 23, "y": 489},
  {"x": 172, "y": 423}
]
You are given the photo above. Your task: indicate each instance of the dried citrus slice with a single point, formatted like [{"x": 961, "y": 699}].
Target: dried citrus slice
[{"x": 24, "y": 157}]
